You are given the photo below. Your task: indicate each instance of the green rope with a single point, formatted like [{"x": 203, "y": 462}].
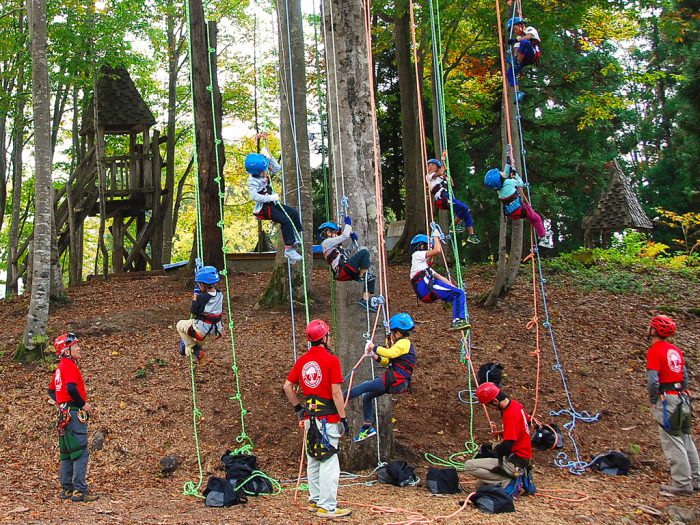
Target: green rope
[{"x": 276, "y": 485}]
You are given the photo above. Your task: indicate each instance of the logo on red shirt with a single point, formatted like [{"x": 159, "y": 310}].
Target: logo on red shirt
[
  {"x": 675, "y": 363},
  {"x": 57, "y": 380},
  {"x": 311, "y": 374}
]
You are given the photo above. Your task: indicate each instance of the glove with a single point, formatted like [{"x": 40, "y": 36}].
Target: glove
[
  {"x": 369, "y": 348},
  {"x": 348, "y": 220},
  {"x": 354, "y": 236},
  {"x": 512, "y": 41},
  {"x": 346, "y": 427},
  {"x": 300, "y": 412},
  {"x": 274, "y": 197}
]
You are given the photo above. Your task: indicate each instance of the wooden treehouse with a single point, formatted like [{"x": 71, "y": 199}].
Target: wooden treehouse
[
  {"x": 617, "y": 209},
  {"x": 131, "y": 179}
]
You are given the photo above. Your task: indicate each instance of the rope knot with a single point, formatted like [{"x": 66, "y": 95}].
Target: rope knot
[{"x": 532, "y": 323}]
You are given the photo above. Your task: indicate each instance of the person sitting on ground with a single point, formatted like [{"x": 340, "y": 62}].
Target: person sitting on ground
[
  {"x": 400, "y": 360},
  {"x": 355, "y": 268},
  {"x": 514, "y": 452},
  {"x": 430, "y": 286},
  {"x": 667, "y": 384},
  {"x": 319, "y": 373},
  {"x": 260, "y": 167},
  {"x": 508, "y": 183},
  {"x": 526, "y": 45},
  {"x": 205, "y": 323},
  {"x": 437, "y": 182}
]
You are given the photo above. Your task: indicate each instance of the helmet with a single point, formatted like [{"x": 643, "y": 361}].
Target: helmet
[
  {"x": 487, "y": 392},
  {"x": 420, "y": 238},
  {"x": 514, "y": 21},
  {"x": 316, "y": 330},
  {"x": 63, "y": 342},
  {"x": 255, "y": 163},
  {"x": 436, "y": 162},
  {"x": 402, "y": 321},
  {"x": 207, "y": 275},
  {"x": 493, "y": 180},
  {"x": 328, "y": 225},
  {"x": 664, "y": 325}
]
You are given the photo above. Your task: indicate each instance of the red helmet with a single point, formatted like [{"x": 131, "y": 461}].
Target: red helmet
[
  {"x": 664, "y": 325},
  {"x": 487, "y": 392},
  {"x": 63, "y": 342},
  {"x": 316, "y": 330}
]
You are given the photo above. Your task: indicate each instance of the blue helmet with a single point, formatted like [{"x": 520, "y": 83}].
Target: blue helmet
[
  {"x": 420, "y": 238},
  {"x": 328, "y": 225},
  {"x": 402, "y": 321},
  {"x": 207, "y": 275},
  {"x": 514, "y": 21},
  {"x": 255, "y": 163},
  {"x": 493, "y": 179},
  {"x": 436, "y": 162}
]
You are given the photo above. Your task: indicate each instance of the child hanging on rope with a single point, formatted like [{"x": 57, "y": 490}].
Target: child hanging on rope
[
  {"x": 355, "y": 268},
  {"x": 400, "y": 360},
  {"x": 437, "y": 182},
  {"x": 205, "y": 323},
  {"x": 260, "y": 168},
  {"x": 508, "y": 183},
  {"x": 430, "y": 285},
  {"x": 526, "y": 47}
]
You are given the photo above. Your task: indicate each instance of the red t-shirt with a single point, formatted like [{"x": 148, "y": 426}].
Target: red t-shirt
[
  {"x": 516, "y": 427},
  {"x": 67, "y": 372},
  {"x": 316, "y": 371},
  {"x": 667, "y": 360}
]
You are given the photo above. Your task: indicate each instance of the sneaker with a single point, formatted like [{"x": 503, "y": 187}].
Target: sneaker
[
  {"x": 183, "y": 346},
  {"x": 473, "y": 239},
  {"x": 675, "y": 490},
  {"x": 367, "y": 306},
  {"x": 546, "y": 242},
  {"x": 84, "y": 497},
  {"x": 520, "y": 96},
  {"x": 337, "y": 513},
  {"x": 460, "y": 324},
  {"x": 459, "y": 227},
  {"x": 66, "y": 493},
  {"x": 367, "y": 431},
  {"x": 291, "y": 254},
  {"x": 198, "y": 352},
  {"x": 312, "y": 506}
]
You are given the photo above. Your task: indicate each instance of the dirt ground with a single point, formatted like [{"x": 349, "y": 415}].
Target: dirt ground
[{"x": 140, "y": 389}]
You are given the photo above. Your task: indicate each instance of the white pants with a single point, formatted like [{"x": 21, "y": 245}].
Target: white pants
[
  {"x": 183, "y": 328},
  {"x": 323, "y": 476},
  {"x": 482, "y": 470}
]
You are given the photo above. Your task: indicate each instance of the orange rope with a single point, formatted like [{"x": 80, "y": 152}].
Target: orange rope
[
  {"x": 413, "y": 517},
  {"x": 301, "y": 467},
  {"x": 534, "y": 322},
  {"x": 503, "y": 71},
  {"x": 582, "y": 496}
]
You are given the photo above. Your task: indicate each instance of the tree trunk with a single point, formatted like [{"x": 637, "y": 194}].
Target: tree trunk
[
  {"x": 35, "y": 334},
  {"x": 205, "y": 121},
  {"x": 3, "y": 167},
  {"x": 410, "y": 132},
  {"x": 11, "y": 287},
  {"x": 352, "y": 98},
  {"x": 295, "y": 154},
  {"x": 75, "y": 237},
  {"x": 173, "y": 59}
]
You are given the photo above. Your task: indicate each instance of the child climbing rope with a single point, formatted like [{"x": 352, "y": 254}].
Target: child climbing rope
[
  {"x": 67, "y": 390},
  {"x": 400, "y": 360},
  {"x": 205, "y": 323},
  {"x": 260, "y": 168},
  {"x": 526, "y": 47},
  {"x": 437, "y": 182},
  {"x": 507, "y": 184},
  {"x": 429, "y": 285},
  {"x": 355, "y": 268},
  {"x": 319, "y": 373}
]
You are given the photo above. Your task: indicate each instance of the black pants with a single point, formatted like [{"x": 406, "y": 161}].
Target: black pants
[
  {"x": 273, "y": 212},
  {"x": 359, "y": 261}
]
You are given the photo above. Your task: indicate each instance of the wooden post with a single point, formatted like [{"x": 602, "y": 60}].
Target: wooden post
[
  {"x": 117, "y": 242},
  {"x": 133, "y": 178},
  {"x": 157, "y": 214}
]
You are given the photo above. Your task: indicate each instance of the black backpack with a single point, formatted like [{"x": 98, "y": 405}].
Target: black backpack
[
  {"x": 398, "y": 473},
  {"x": 443, "y": 481},
  {"x": 492, "y": 499},
  {"x": 491, "y": 372},
  {"x": 613, "y": 463},
  {"x": 547, "y": 437},
  {"x": 485, "y": 451},
  {"x": 242, "y": 471},
  {"x": 221, "y": 493}
]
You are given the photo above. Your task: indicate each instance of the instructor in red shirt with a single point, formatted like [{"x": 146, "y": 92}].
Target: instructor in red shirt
[{"x": 667, "y": 383}]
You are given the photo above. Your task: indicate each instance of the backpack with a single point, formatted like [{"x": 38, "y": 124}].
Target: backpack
[
  {"x": 613, "y": 463},
  {"x": 398, "y": 473},
  {"x": 318, "y": 446},
  {"x": 492, "y": 499},
  {"x": 243, "y": 469},
  {"x": 443, "y": 481},
  {"x": 490, "y": 372},
  {"x": 547, "y": 437},
  {"x": 486, "y": 451},
  {"x": 221, "y": 493}
]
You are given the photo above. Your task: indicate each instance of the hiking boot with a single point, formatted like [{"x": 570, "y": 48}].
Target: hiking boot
[
  {"x": 198, "y": 352},
  {"x": 183, "y": 346},
  {"x": 473, "y": 239},
  {"x": 337, "y": 513},
  {"x": 460, "y": 324},
  {"x": 312, "y": 506},
  {"x": 84, "y": 497},
  {"x": 66, "y": 493},
  {"x": 546, "y": 242},
  {"x": 291, "y": 254},
  {"x": 367, "y": 431},
  {"x": 367, "y": 306},
  {"x": 675, "y": 490}
]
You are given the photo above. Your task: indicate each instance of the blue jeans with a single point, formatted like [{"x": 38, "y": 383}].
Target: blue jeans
[
  {"x": 73, "y": 473},
  {"x": 448, "y": 293},
  {"x": 515, "y": 67},
  {"x": 461, "y": 209},
  {"x": 369, "y": 390}
]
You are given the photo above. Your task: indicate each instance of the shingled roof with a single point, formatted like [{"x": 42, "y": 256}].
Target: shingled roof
[
  {"x": 120, "y": 106},
  {"x": 618, "y": 207}
]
